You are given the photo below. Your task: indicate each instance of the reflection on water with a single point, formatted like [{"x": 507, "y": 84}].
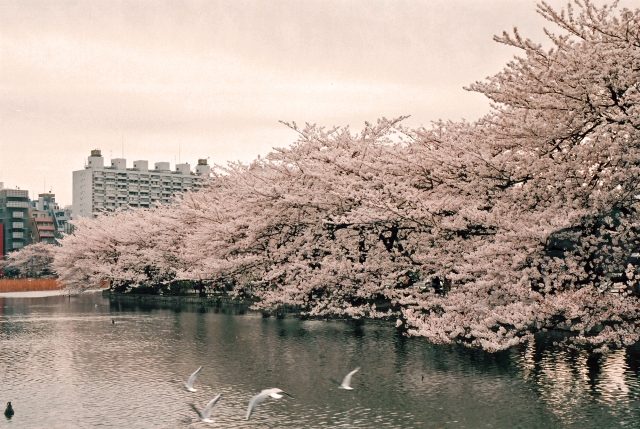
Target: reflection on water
[
  {"x": 584, "y": 390},
  {"x": 63, "y": 364}
]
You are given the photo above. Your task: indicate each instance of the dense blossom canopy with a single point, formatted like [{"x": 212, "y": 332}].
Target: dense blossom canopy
[
  {"x": 479, "y": 233},
  {"x": 30, "y": 261}
]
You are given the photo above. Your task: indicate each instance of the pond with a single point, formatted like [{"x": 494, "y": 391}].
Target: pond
[{"x": 64, "y": 364}]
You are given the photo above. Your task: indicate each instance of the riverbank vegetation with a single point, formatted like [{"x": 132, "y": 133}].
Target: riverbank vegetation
[{"x": 478, "y": 233}]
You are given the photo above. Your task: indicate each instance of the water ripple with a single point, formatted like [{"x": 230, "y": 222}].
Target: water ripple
[{"x": 64, "y": 364}]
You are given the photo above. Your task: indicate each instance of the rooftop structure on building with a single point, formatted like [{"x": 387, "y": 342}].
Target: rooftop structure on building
[
  {"x": 14, "y": 206},
  {"x": 98, "y": 188}
]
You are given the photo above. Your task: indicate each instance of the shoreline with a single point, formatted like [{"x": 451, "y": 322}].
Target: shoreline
[
  {"x": 181, "y": 299},
  {"x": 216, "y": 301},
  {"x": 41, "y": 293},
  {"x": 32, "y": 293}
]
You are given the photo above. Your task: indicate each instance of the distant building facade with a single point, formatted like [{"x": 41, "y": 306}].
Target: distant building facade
[
  {"x": 14, "y": 216},
  {"x": 41, "y": 229},
  {"x": 98, "y": 188},
  {"x": 46, "y": 207}
]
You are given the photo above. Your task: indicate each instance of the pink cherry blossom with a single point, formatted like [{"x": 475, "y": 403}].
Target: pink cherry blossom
[{"x": 519, "y": 217}]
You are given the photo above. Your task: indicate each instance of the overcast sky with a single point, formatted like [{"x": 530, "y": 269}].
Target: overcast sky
[{"x": 181, "y": 80}]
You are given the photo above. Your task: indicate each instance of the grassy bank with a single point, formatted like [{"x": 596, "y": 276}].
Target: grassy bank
[{"x": 24, "y": 285}]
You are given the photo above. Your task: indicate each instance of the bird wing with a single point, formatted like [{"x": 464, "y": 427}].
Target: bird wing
[
  {"x": 277, "y": 392},
  {"x": 256, "y": 400},
  {"x": 192, "y": 378},
  {"x": 334, "y": 381},
  {"x": 347, "y": 379},
  {"x": 193, "y": 407},
  {"x": 207, "y": 410}
]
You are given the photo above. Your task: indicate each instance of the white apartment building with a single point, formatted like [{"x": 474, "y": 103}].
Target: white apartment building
[{"x": 98, "y": 188}]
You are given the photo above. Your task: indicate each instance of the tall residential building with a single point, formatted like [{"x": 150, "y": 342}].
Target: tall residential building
[
  {"x": 14, "y": 206},
  {"x": 98, "y": 188}
]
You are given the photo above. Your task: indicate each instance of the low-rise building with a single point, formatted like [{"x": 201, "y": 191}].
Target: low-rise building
[
  {"x": 98, "y": 188},
  {"x": 41, "y": 228},
  {"x": 60, "y": 218}
]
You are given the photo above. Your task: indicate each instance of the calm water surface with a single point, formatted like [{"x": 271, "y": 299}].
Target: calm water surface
[{"x": 63, "y": 364}]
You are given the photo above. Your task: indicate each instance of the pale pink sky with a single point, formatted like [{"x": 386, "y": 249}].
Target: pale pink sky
[{"x": 214, "y": 77}]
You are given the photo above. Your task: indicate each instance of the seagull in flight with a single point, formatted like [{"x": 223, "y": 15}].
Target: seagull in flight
[
  {"x": 192, "y": 378},
  {"x": 346, "y": 383},
  {"x": 204, "y": 415},
  {"x": 274, "y": 393}
]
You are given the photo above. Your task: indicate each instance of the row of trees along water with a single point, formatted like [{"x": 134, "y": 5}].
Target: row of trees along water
[{"x": 517, "y": 219}]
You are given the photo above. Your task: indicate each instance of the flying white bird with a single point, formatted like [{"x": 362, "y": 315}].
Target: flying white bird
[
  {"x": 204, "y": 415},
  {"x": 346, "y": 383},
  {"x": 274, "y": 393},
  {"x": 189, "y": 384}
]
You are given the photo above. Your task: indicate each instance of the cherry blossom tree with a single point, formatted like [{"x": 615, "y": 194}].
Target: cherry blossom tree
[
  {"x": 558, "y": 153},
  {"x": 312, "y": 225},
  {"x": 127, "y": 249},
  {"x": 480, "y": 233},
  {"x": 33, "y": 261}
]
